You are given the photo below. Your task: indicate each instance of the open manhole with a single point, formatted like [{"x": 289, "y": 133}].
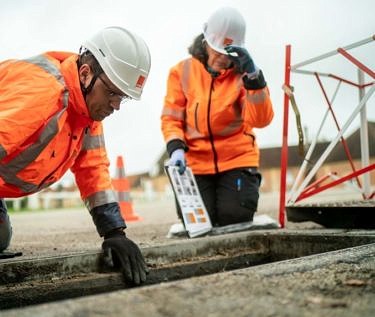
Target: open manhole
[{"x": 33, "y": 281}]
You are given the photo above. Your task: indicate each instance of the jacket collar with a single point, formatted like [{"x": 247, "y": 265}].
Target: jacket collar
[
  {"x": 222, "y": 74},
  {"x": 69, "y": 70}
]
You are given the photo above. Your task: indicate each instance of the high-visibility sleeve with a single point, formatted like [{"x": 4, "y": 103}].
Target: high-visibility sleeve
[
  {"x": 173, "y": 114},
  {"x": 91, "y": 169}
]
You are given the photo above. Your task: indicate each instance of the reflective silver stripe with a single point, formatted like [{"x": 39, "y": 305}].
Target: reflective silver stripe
[
  {"x": 93, "y": 142},
  {"x": 232, "y": 127},
  {"x": 123, "y": 196},
  {"x": 185, "y": 76},
  {"x": 257, "y": 97},
  {"x": 19, "y": 183},
  {"x": 3, "y": 153},
  {"x": 235, "y": 124},
  {"x": 100, "y": 198},
  {"x": 120, "y": 173},
  {"x": 44, "y": 63},
  {"x": 9, "y": 171},
  {"x": 47, "y": 65},
  {"x": 178, "y": 114},
  {"x": 193, "y": 133}
]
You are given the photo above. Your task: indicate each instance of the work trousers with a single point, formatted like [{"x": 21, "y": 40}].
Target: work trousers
[
  {"x": 231, "y": 196},
  {"x": 5, "y": 227}
]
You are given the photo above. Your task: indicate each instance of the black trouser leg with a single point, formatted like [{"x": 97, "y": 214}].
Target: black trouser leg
[
  {"x": 5, "y": 227},
  {"x": 178, "y": 209},
  {"x": 207, "y": 189},
  {"x": 231, "y": 196}
]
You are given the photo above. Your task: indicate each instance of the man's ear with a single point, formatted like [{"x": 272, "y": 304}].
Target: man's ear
[{"x": 85, "y": 74}]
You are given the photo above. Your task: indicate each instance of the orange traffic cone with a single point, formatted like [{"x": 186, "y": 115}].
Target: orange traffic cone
[{"x": 122, "y": 187}]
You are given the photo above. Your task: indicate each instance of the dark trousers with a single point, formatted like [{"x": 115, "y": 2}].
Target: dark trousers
[
  {"x": 231, "y": 196},
  {"x": 5, "y": 227}
]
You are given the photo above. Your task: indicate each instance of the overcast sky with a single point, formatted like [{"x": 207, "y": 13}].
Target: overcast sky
[{"x": 312, "y": 27}]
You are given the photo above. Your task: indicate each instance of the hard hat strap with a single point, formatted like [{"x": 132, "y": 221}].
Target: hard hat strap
[
  {"x": 87, "y": 90},
  {"x": 86, "y": 57}
]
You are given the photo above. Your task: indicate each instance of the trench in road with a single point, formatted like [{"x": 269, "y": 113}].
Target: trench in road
[{"x": 32, "y": 281}]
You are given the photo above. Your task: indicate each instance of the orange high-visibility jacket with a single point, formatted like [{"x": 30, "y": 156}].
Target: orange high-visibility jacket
[
  {"x": 45, "y": 130},
  {"x": 215, "y": 117}
]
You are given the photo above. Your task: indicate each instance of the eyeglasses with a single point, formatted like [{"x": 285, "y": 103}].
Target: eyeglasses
[{"x": 113, "y": 95}]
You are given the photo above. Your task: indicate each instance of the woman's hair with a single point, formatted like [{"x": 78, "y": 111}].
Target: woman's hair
[{"x": 198, "y": 49}]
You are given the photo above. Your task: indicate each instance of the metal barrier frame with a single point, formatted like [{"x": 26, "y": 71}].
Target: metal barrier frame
[{"x": 301, "y": 189}]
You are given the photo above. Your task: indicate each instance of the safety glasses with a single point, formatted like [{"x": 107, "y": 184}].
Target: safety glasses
[{"x": 114, "y": 95}]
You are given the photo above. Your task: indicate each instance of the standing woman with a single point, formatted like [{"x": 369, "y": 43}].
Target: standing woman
[{"x": 214, "y": 100}]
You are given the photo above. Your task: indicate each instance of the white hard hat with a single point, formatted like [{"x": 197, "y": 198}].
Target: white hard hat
[
  {"x": 124, "y": 58},
  {"x": 226, "y": 26}
]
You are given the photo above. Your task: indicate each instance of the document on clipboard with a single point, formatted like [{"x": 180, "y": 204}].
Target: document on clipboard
[{"x": 196, "y": 219}]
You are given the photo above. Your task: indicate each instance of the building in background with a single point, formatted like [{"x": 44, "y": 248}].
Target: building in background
[
  {"x": 155, "y": 184},
  {"x": 270, "y": 159}
]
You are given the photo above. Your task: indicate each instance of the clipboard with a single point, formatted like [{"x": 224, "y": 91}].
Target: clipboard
[{"x": 194, "y": 213}]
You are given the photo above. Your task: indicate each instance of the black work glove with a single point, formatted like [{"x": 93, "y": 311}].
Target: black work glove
[
  {"x": 253, "y": 77},
  {"x": 242, "y": 60},
  {"x": 121, "y": 252}
]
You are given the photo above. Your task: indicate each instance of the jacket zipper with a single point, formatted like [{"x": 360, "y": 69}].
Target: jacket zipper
[{"x": 209, "y": 127}]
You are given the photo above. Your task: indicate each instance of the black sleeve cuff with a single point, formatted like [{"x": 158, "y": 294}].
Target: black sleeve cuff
[
  {"x": 255, "y": 83},
  {"x": 176, "y": 144},
  {"x": 107, "y": 218}
]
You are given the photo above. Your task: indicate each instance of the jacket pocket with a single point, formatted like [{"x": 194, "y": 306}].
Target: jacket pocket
[
  {"x": 251, "y": 137},
  {"x": 196, "y": 116}
]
